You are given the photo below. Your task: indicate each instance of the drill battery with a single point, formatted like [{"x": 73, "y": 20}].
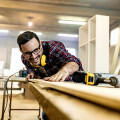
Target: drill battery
[{"x": 86, "y": 78}]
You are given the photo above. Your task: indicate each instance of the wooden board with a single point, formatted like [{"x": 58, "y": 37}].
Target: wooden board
[
  {"x": 60, "y": 106},
  {"x": 108, "y": 97},
  {"x": 14, "y": 79},
  {"x": 17, "y": 79}
]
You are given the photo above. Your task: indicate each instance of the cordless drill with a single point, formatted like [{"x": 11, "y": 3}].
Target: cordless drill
[{"x": 95, "y": 78}]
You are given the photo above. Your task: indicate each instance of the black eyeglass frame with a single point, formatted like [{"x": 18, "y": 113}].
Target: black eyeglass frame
[{"x": 30, "y": 53}]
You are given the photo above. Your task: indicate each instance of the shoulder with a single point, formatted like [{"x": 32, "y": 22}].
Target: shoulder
[
  {"x": 52, "y": 43},
  {"x": 53, "y": 46},
  {"x": 24, "y": 61}
]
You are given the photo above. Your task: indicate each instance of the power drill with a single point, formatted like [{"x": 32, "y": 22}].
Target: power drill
[
  {"x": 23, "y": 73},
  {"x": 95, "y": 78}
]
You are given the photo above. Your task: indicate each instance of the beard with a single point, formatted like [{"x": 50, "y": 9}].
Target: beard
[{"x": 35, "y": 61}]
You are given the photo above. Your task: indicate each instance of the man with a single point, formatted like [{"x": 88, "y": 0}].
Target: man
[
  {"x": 48, "y": 60},
  {"x": 59, "y": 64}
]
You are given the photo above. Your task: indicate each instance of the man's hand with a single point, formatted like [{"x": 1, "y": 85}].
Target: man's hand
[
  {"x": 59, "y": 76},
  {"x": 30, "y": 76}
]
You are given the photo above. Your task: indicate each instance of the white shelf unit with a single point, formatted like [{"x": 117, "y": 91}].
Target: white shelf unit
[{"x": 94, "y": 44}]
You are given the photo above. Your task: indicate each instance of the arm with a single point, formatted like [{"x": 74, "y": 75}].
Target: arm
[
  {"x": 64, "y": 72},
  {"x": 70, "y": 63}
]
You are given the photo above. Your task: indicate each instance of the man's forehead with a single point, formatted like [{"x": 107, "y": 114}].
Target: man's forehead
[{"x": 30, "y": 45}]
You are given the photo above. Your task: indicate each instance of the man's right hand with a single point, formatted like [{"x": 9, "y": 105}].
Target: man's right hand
[{"x": 30, "y": 76}]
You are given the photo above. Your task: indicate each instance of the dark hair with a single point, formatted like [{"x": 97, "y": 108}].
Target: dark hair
[{"x": 25, "y": 37}]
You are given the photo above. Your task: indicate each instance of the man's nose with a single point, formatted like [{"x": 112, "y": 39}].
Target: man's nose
[{"x": 33, "y": 55}]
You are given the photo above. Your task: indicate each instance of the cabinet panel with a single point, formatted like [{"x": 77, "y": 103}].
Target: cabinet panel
[
  {"x": 83, "y": 35},
  {"x": 92, "y": 53},
  {"x": 92, "y": 29},
  {"x": 83, "y": 55}
]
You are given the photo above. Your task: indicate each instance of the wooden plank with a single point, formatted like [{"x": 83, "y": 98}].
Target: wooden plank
[
  {"x": 108, "y": 97},
  {"x": 13, "y": 79},
  {"x": 17, "y": 79},
  {"x": 60, "y": 106}
]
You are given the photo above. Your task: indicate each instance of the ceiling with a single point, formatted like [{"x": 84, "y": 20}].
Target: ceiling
[{"x": 15, "y": 14}]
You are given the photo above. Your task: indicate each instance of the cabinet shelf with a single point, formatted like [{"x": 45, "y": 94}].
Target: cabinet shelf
[
  {"x": 93, "y": 39},
  {"x": 83, "y": 44}
]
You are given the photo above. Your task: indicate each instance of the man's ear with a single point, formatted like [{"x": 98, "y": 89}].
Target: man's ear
[
  {"x": 40, "y": 44},
  {"x": 20, "y": 50}
]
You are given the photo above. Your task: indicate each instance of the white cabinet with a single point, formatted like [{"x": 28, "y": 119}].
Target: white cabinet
[{"x": 94, "y": 44}]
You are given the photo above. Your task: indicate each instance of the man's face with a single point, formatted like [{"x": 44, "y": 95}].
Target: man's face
[{"x": 32, "y": 51}]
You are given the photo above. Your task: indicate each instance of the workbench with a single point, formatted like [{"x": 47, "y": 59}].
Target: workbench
[
  {"x": 74, "y": 101},
  {"x": 14, "y": 79}
]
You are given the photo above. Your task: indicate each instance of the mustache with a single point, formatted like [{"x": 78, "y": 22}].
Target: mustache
[{"x": 34, "y": 58}]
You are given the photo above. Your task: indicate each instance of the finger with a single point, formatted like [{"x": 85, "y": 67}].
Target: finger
[
  {"x": 38, "y": 77},
  {"x": 63, "y": 78},
  {"x": 53, "y": 78},
  {"x": 46, "y": 78},
  {"x": 28, "y": 77},
  {"x": 32, "y": 75},
  {"x": 59, "y": 77}
]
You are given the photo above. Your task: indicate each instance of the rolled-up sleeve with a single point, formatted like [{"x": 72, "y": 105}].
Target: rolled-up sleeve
[{"x": 59, "y": 51}]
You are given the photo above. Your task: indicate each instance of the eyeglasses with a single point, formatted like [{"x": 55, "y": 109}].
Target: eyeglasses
[{"x": 29, "y": 54}]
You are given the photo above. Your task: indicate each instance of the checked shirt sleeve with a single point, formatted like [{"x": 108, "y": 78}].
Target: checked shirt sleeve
[{"x": 58, "y": 50}]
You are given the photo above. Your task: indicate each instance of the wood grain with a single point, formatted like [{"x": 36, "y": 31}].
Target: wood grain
[
  {"x": 60, "y": 106},
  {"x": 108, "y": 97}
]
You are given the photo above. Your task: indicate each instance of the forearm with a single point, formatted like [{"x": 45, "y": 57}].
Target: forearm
[{"x": 71, "y": 67}]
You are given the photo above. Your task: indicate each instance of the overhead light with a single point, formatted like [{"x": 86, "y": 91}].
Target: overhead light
[
  {"x": 72, "y": 18},
  {"x": 30, "y": 24},
  {"x": 38, "y": 33},
  {"x": 30, "y": 21},
  {"x": 72, "y": 22},
  {"x": 67, "y": 35},
  {"x": 5, "y": 31}
]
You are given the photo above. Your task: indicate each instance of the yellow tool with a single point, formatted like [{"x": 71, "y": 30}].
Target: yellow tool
[
  {"x": 95, "y": 78},
  {"x": 90, "y": 79}
]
